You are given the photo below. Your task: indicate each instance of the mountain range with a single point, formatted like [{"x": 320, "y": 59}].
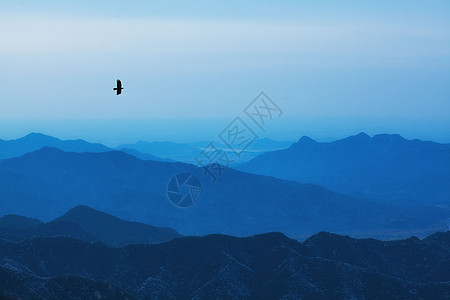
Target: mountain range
[
  {"x": 267, "y": 266},
  {"x": 35, "y": 141},
  {"x": 157, "y": 151},
  {"x": 48, "y": 182},
  {"x": 186, "y": 152},
  {"x": 16, "y": 285},
  {"x": 87, "y": 224},
  {"x": 384, "y": 167},
  {"x": 169, "y": 150}
]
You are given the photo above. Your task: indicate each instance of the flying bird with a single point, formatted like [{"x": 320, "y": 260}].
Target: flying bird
[{"x": 119, "y": 87}]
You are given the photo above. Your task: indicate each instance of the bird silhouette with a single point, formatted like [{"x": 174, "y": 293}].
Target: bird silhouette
[{"x": 119, "y": 87}]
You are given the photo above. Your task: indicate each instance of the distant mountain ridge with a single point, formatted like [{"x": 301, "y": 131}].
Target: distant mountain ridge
[
  {"x": 86, "y": 224},
  {"x": 35, "y": 141},
  {"x": 18, "y": 222},
  {"x": 166, "y": 150},
  {"x": 157, "y": 151},
  {"x": 385, "y": 167},
  {"x": 187, "y": 152},
  {"x": 114, "y": 231},
  {"x": 267, "y": 266},
  {"x": 48, "y": 182}
]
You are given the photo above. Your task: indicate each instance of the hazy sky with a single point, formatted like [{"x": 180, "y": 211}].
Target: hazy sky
[{"x": 189, "y": 68}]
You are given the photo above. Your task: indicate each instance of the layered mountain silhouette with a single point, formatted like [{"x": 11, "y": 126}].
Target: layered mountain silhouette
[
  {"x": 383, "y": 167},
  {"x": 114, "y": 231},
  {"x": 36, "y": 141},
  {"x": 186, "y": 152},
  {"x": 157, "y": 151},
  {"x": 268, "y": 266},
  {"x": 169, "y": 150},
  {"x": 48, "y": 182},
  {"x": 259, "y": 145},
  {"x": 86, "y": 224},
  {"x": 22, "y": 228},
  {"x": 143, "y": 156},
  {"x": 18, "y": 222}
]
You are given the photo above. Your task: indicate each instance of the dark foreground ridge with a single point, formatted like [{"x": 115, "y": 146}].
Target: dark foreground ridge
[{"x": 267, "y": 266}]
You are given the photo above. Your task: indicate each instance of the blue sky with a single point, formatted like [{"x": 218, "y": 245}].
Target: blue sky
[{"x": 336, "y": 68}]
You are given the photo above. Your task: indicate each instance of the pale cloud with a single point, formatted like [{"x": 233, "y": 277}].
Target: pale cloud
[
  {"x": 37, "y": 35},
  {"x": 179, "y": 67}
]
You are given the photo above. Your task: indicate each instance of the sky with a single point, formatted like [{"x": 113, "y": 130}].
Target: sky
[{"x": 189, "y": 68}]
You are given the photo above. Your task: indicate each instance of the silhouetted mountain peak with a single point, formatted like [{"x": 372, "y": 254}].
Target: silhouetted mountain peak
[
  {"x": 324, "y": 237},
  {"x": 302, "y": 142},
  {"x": 383, "y": 137},
  {"x": 440, "y": 240},
  {"x": 274, "y": 236},
  {"x": 439, "y": 236},
  {"x": 45, "y": 151},
  {"x": 37, "y": 135},
  {"x": 357, "y": 138},
  {"x": 362, "y": 135},
  {"x": 385, "y": 167},
  {"x": 388, "y": 137},
  {"x": 35, "y": 141},
  {"x": 40, "y": 137},
  {"x": 115, "y": 231},
  {"x": 306, "y": 139},
  {"x": 82, "y": 211}
]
